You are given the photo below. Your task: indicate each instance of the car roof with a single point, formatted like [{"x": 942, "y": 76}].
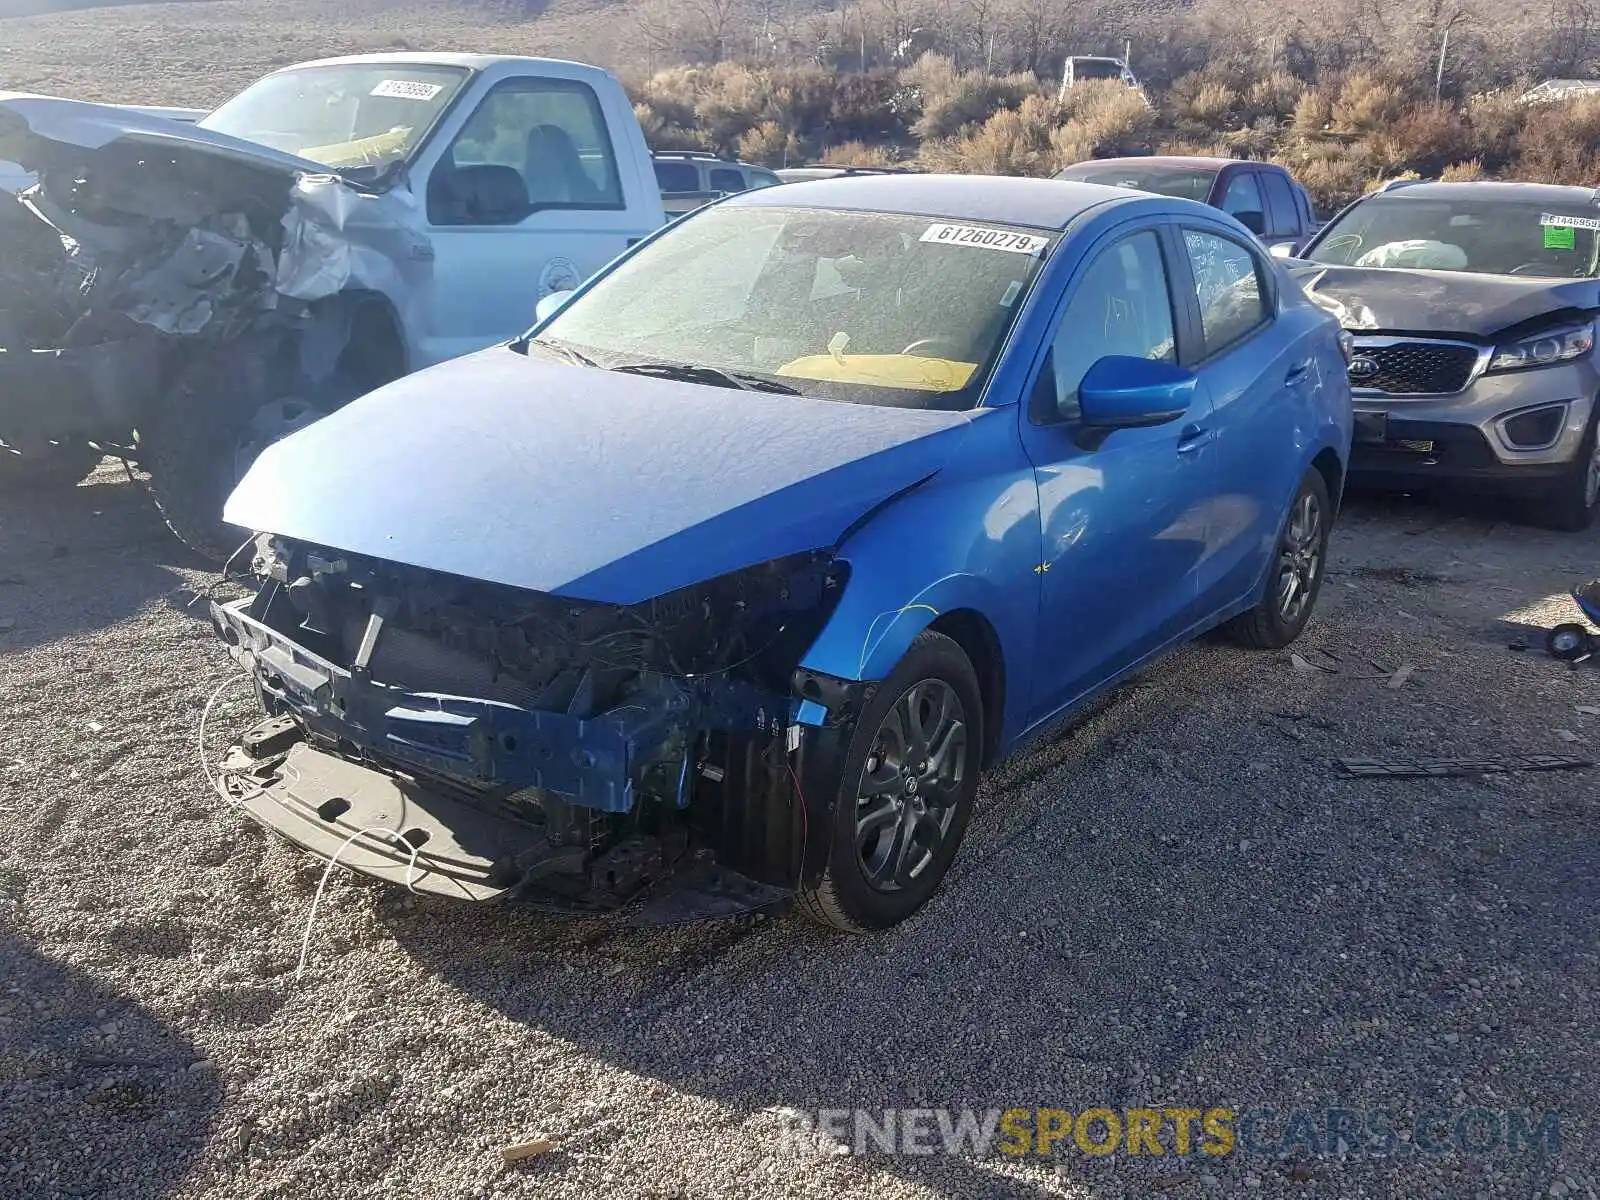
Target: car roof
[
  {"x": 1041, "y": 203},
  {"x": 1198, "y": 161},
  {"x": 472, "y": 62},
  {"x": 1549, "y": 193}
]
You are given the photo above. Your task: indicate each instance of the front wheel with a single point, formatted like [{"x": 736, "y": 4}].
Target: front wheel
[
  {"x": 204, "y": 435},
  {"x": 904, "y": 793},
  {"x": 1571, "y": 503},
  {"x": 1295, "y": 579},
  {"x": 1569, "y": 642}
]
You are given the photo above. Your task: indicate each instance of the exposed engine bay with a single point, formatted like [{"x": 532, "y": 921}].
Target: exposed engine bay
[{"x": 512, "y": 742}]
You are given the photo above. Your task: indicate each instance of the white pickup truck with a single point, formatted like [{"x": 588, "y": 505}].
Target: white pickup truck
[{"x": 185, "y": 294}]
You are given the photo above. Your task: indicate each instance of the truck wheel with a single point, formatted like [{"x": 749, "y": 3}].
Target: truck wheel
[
  {"x": 905, "y": 791},
  {"x": 1296, "y": 574},
  {"x": 61, "y": 466},
  {"x": 1572, "y": 500},
  {"x": 207, "y": 431}
]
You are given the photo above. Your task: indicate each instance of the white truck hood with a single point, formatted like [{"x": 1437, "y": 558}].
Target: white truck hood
[{"x": 34, "y": 129}]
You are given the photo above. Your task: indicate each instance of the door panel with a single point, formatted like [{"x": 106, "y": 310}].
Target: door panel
[
  {"x": 526, "y": 200},
  {"x": 1121, "y": 520},
  {"x": 1252, "y": 371}
]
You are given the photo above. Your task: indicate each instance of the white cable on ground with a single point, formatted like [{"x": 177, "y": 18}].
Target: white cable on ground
[
  {"x": 316, "y": 901},
  {"x": 216, "y": 781}
]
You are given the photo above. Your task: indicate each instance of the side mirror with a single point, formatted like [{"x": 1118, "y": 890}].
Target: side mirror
[
  {"x": 551, "y": 305},
  {"x": 1255, "y": 222},
  {"x": 1133, "y": 393}
]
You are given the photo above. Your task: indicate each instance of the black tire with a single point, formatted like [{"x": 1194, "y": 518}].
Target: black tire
[
  {"x": 61, "y": 466},
  {"x": 867, "y": 884},
  {"x": 1572, "y": 501},
  {"x": 1569, "y": 642},
  {"x": 1278, "y": 619},
  {"x": 198, "y": 440}
]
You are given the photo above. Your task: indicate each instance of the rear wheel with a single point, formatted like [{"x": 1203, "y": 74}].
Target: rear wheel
[
  {"x": 1568, "y": 642},
  {"x": 905, "y": 791},
  {"x": 1297, "y": 569}
]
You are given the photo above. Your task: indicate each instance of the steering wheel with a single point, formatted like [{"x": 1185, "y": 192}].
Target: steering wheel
[{"x": 932, "y": 347}]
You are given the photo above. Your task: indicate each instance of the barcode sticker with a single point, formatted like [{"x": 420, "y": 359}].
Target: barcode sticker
[
  {"x": 986, "y": 239},
  {"x": 1561, "y": 221},
  {"x": 407, "y": 89}
]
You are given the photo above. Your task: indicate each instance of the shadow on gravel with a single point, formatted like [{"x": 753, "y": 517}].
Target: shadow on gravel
[
  {"x": 77, "y": 559},
  {"x": 97, "y": 1098}
]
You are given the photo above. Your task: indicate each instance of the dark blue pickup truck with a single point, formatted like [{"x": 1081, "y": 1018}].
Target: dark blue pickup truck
[{"x": 1263, "y": 197}]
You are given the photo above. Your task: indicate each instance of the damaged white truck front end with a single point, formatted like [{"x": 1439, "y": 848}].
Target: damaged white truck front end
[{"x": 186, "y": 295}]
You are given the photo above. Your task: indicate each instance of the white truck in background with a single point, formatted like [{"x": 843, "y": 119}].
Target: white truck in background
[{"x": 184, "y": 295}]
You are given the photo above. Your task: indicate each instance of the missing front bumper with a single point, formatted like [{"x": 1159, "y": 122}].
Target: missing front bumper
[{"x": 404, "y": 832}]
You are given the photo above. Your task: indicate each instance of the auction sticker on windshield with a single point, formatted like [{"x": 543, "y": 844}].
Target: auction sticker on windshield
[
  {"x": 407, "y": 89},
  {"x": 1561, "y": 221},
  {"x": 987, "y": 239}
]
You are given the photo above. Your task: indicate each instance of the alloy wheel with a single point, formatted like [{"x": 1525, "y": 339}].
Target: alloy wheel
[
  {"x": 1300, "y": 558},
  {"x": 910, "y": 784}
]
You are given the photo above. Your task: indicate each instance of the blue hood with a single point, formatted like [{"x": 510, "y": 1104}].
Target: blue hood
[{"x": 584, "y": 483}]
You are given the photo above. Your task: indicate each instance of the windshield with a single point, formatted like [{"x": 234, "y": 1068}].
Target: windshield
[
  {"x": 1187, "y": 183},
  {"x": 867, "y": 307},
  {"x": 358, "y": 119},
  {"x": 1487, "y": 236},
  {"x": 1095, "y": 68}
]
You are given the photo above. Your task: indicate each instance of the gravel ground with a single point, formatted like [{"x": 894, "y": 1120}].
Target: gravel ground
[{"x": 1178, "y": 902}]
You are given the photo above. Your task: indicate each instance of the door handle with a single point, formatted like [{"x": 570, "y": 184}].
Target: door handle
[
  {"x": 1297, "y": 374},
  {"x": 1192, "y": 437}
]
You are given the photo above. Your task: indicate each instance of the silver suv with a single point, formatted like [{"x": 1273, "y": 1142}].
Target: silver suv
[{"x": 1472, "y": 307}]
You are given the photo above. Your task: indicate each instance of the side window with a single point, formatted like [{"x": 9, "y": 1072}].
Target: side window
[
  {"x": 727, "y": 179},
  {"x": 531, "y": 144},
  {"x": 1227, "y": 281},
  {"x": 1242, "y": 202},
  {"x": 677, "y": 176},
  {"x": 1283, "y": 214},
  {"x": 1123, "y": 306},
  {"x": 761, "y": 179}
]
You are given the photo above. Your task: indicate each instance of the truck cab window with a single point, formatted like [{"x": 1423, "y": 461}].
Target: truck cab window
[{"x": 531, "y": 144}]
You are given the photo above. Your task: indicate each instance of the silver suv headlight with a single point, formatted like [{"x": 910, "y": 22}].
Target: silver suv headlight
[{"x": 1556, "y": 345}]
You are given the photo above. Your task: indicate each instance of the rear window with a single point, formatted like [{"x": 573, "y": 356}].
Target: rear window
[
  {"x": 1186, "y": 183},
  {"x": 677, "y": 177}
]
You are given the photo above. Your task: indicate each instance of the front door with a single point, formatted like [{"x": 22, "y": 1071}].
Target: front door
[
  {"x": 1122, "y": 520},
  {"x": 526, "y": 200}
]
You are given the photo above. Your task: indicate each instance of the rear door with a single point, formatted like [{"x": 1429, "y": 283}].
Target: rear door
[
  {"x": 1257, "y": 375},
  {"x": 1122, "y": 520},
  {"x": 1285, "y": 224}
]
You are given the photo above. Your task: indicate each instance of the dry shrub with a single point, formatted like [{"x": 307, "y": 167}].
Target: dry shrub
[
  {"x": 950, "y": 100},
  {"x": 1113, "y": 118},
  {"x": 1463, "y": 172},
  {"x": 1496, "y": 119},
  {"x": 661, "y": 133},
  {"x": 1334, "y": 173},
  {"x": 1367, "y": 103},
  {"x": 1198, "y": 100},
  {"x": 1425, "y": 140},
  {"x": 1559, "y": 144},
  {"x": 732, "y": 103},
  {"x": 1275, "y": 96},
  {"x": 857, "y": 154},
  {"x": 769, "y": 144},
  {"x": 1313, "y": 113},
  {"x": 1011, "y": 142}
]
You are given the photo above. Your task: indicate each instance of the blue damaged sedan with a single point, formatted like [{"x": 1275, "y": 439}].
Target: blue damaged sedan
[{"x": 719, "y": 590}]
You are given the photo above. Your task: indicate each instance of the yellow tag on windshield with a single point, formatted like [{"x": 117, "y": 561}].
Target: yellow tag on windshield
[{"x": 883, "y": 370}]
